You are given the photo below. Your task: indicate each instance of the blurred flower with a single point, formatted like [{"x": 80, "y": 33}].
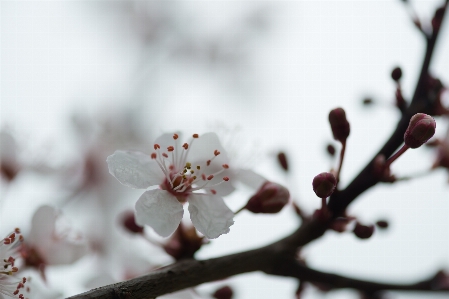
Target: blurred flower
[
  {"x": 51, "y": 242},
  {"x": 179, "y": 171}
]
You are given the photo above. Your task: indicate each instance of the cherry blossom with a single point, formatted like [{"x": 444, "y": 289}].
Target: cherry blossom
[
  {"x": 11, "y": 286},
  {"x": 51, "y": 242},
  {"x": 192, "y": 172}
]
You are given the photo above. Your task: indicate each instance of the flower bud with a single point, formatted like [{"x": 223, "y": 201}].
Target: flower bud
[
  {"x": 382, "y": 224},
  {"x": 396, "y": 74},
  {"x": 224, "y": 293},
  {"x": 330, "y": 150},
  {"x": 363, "y": 231},
  {"x": 420, "y": 129},
  {"x": 129, "y": 222},
  {"x": 269, "y": 199},
  {"x": 184, "y": 243},
  {"x": 324, "y": 184},
  {"x": 282, "y": 159},
  {"x": 438, "y": 18},
  {"x": 339, "y": 124},
  {"x": 367, "y": 101}
]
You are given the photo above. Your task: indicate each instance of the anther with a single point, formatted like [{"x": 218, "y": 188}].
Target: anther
[
  {"x": 156, "y": 146},
  {"x": 226, "y": 179},
  {"x": 210, "y": 177},
  {"x": 170, "y": 148},
  {"x": 203, "y": 176},
  {"x": 216, "y": 152},
  {"x": 213, "y": 191},
  {"x": 185, "y": 146},
  {"x": 188, "y": 165},
  {"x": 198, "y": 167},
  {"x": 17, "y": 230},
  {"x": 195, "y": 136},
  {"x": 165, "y": 155},
  {"x": 153, "y": 156},
  {"x": 175, "y": 136},
  {"x": 208, "y": 162},
  {"x": 225, "y": 166}
]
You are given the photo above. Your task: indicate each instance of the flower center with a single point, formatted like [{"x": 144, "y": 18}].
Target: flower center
[{"x": 181, "y": 177}]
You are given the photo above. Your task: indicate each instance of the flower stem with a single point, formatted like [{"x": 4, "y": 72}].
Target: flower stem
[
  {"x": 340, "y": 164},
  {"x": 396, "y": 155},
  {"x": 241, "y": 209}
]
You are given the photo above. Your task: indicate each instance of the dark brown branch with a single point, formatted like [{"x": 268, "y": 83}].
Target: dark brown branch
[
  {"x": 333, "y": 281},
  {"x": 190, "y": 273}
]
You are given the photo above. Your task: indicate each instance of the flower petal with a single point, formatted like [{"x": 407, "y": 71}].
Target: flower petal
[
  {"x": 160, "y": 210},
  {"x": 62, "y": 251},
  {"x": 135, "y": 169},
  {"x": 250, "y": 178},
  {"x": 42, "y": 225},
  {"x": 210, "y": 215},
  {"x": 203, "y": 149}
]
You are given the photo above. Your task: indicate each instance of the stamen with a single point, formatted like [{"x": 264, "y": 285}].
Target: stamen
[
  {"x": 195, "y": 135},
  {"x": 175, "y": 136},
  {"x": 170, "y": 148},
  {"x": 157, "y": 146},
  {"x": 153, "y": 156},
  {"x": 185, "y": 146},
  {"x": 216, "y": 152}
]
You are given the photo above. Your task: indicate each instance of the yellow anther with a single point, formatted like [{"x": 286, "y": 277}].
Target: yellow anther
[
  {"x": 188, "y": 164},
  {"x": 198, "y": 167}
]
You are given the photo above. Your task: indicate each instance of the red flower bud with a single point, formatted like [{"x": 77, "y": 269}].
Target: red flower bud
[
  {"x": 339, "y": 124},
  {"x": 282, "y": 159},
  {"x": 363, "y": 231},
  {"x": 269, "y": 199},
  {"x": 396, "y": 74},
  {"x": 224, "y": 293},
  {"x": 129, "y": 222},
  {"x": 184, "y": 243},
  {"x": 438, "y": 17},
  {"x": 330, "y": 150},
  {"x": 420, "y": 129},
  {"x": 324, "y": 184},
  {"x": 382, "y": 224}
]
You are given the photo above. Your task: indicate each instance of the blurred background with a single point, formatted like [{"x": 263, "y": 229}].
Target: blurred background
[{"x": 81, "y": 79}]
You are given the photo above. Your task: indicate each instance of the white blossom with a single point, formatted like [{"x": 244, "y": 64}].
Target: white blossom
[{"x": 194, "y": 172}]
